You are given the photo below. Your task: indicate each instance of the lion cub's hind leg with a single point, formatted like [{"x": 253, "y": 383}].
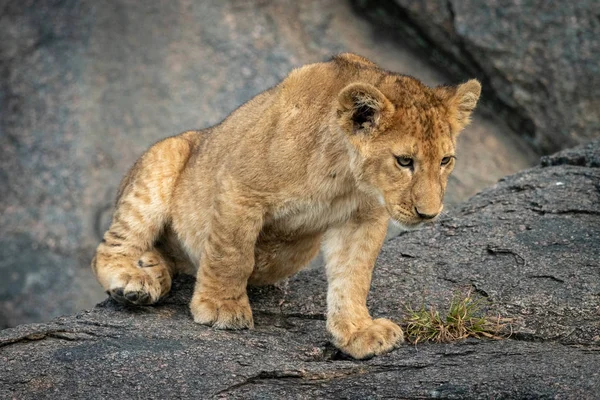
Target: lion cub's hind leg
[{"x": 126, "y": 264}]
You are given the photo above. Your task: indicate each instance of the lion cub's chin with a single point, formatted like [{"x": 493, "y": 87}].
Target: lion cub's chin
[{"x": 405, "y": 225}]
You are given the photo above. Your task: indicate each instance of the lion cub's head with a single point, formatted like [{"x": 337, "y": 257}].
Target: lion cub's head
[{"x": 405, "y": 135}]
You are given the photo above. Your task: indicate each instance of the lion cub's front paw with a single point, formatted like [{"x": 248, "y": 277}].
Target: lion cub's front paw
[
  {"x": 222, "y": 314},
  {"x": 373, "y": 338}
]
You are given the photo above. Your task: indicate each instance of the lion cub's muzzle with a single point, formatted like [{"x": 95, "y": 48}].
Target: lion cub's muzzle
[{"x": 428, "y": 214}]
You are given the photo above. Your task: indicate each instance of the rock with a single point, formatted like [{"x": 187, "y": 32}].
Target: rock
[
  {"x": 527, "y": 246},
  {"x": 87, "y": 86},
  {"x": 539, "y": 61}
]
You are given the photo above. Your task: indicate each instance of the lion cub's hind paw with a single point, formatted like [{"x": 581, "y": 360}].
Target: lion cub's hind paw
[
  {"x": 380, "y": 337},
  {"x": 136, "y": 298},
  {"x": 136, "y": 288},
  {"x": 142, "y": 285}
]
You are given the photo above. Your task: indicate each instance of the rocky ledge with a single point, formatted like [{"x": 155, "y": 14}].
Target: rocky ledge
[{"x": 529, "y": 247}]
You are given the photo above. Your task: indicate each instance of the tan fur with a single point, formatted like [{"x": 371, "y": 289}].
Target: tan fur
[{"x": 310, "y": 163}]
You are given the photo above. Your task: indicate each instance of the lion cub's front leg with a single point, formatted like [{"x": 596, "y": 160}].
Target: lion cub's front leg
[
  {"x": 350, "y": 253},
  {"x": 220, "y": 297}
]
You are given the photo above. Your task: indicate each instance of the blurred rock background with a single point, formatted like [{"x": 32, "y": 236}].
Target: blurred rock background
[
  {"x": 538, "y": 60},
  {"x": 87, "y": 86}
]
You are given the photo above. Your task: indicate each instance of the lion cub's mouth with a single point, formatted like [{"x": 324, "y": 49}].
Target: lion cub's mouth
[
  {"x": 410, "y": 223},
  {"x": 407, "y": 225},
  {"x": 406, "y": 221},
  {"x": 403, "y": 219}
]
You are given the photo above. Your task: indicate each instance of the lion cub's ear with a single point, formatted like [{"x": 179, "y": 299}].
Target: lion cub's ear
[
  {"x": 462, "y": 104},
  {"x": 363, "y": 109}
]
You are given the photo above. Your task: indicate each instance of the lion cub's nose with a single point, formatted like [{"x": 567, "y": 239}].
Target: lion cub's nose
[{"x": 424, "y": 215}]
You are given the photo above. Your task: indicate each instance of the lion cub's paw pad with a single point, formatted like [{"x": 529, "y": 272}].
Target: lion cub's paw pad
[
  {"x": 223, "y": 314},
  {"x": 380, "y": 337}
]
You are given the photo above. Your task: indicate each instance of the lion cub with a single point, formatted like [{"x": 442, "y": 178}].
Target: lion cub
[{"x": 322, "y": 160}]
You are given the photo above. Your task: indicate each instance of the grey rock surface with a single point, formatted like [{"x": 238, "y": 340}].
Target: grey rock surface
[
  {"x": 529, "y": 247},
  {"x": 539, "y": 59},
  {"x": 87, "y": 86}
]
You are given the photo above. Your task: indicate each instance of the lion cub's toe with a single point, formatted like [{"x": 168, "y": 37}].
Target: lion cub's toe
[
  {"x": 378, "y": 337},
  {"x": 138, "y": 298},
  {"x": 222, "y": 314},
  {"x": 135, "y": 288}
]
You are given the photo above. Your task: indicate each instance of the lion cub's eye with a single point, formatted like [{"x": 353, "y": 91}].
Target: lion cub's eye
[
  {"x": 404, "y": 161},
  {"x": 446, "y": 160}
]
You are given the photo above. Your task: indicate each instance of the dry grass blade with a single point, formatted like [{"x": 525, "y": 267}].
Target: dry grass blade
[{"x": 462, "y": 320}]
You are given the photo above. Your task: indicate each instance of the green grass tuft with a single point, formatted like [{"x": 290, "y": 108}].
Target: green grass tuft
[{"x": 462, "y": 320}]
